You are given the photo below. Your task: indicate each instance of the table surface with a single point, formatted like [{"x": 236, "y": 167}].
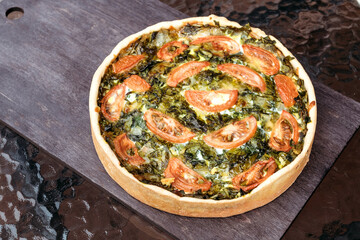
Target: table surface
[{"x": 47, "y": 59}]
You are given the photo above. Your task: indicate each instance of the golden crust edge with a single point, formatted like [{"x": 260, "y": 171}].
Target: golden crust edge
[{"x": 164, "y": 200}]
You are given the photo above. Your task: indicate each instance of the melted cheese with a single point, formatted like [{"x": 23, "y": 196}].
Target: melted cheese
[{"x": 218, "y": 98}]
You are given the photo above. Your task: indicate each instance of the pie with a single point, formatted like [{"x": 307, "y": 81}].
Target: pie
[{"x": 202, "y": 117}]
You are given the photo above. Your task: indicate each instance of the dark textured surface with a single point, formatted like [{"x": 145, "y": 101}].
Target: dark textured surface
[
  {"x": 20, "y": 213},
  {"x": 42, "y": 64},
  {"x": 42, "y": 199}
]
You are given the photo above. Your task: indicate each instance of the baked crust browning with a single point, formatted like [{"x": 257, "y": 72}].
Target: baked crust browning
[{"x": 164, "y": 200}]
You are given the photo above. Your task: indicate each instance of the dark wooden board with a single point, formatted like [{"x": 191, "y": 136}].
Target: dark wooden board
[{"x": 47, "y": 59}]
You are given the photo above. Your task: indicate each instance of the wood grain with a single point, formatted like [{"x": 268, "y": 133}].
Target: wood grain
[{"x": 47, "y": 59}]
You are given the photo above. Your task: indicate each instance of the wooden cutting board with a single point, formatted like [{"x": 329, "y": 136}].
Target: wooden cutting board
[{"x": 47, "y": 59}]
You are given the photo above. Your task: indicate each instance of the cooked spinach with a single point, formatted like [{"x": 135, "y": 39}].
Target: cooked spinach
[{"x": 216, "y": 165}]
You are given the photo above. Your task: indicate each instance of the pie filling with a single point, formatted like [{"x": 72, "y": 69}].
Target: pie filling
[{"x": 196, "y": 129}]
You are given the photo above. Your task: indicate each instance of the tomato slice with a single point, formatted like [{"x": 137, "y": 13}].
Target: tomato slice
[
  {"x": 244, "y": 74},
  {"x": 219, "y": 43},
  {"x": 184, "y": 71},
  {"x": 185, "y": 178},
  {"x": 261, "y": 58},
  {"x": 113, "y": 103},
  {"x": 286, "y": 128},
  {"x": 233, "y": 135},
  {"x": 212, "y": 101},
  {"x": 171, "y": 50},
  {"x": 136, "y": 83},
  {"x": 257, "y": 174},
  {"x": 286, "y": 89},
  {"x": 166, "y": 127},
  {"x": 126, "y": 63},
  {"x": 126, "y": 149}
]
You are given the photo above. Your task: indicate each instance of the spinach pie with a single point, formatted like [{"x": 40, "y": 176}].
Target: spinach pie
[{"x": 202, "y": 117}]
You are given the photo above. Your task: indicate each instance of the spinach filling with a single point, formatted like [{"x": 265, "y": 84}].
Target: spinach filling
[{"x": 218, "y": 166}]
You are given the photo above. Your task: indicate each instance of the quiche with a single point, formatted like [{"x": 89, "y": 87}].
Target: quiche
[{"x": 202, "y": 117}]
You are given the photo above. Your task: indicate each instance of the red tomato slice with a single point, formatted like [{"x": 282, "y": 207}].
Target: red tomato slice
[
  {"x": 126, "y": 63},
  {"x": 264, "y": 60},
  {"x": 113, "y": 103},
  {"x": 166, "y": 127},
  {"x": 257, "y": 174},
  {"x": 185, "y": 178},
  {"x": 184, "y": 71},
  {"x": 126, "y": 149},
  {"x": 244, "y": 74},
  {"x": 286, "y": 89},
  {"x": 136, "y": 83},
  {"x": 171, "y": 50},
  {"x": 286, "y": 128},
  {"x": 219, "y": 43},
  {"x": 212, "y": 101},
  {"x": 233, "y": 135}
]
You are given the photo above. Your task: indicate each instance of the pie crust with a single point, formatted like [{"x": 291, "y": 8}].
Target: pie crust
[{"x": 167, "y": 201}]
